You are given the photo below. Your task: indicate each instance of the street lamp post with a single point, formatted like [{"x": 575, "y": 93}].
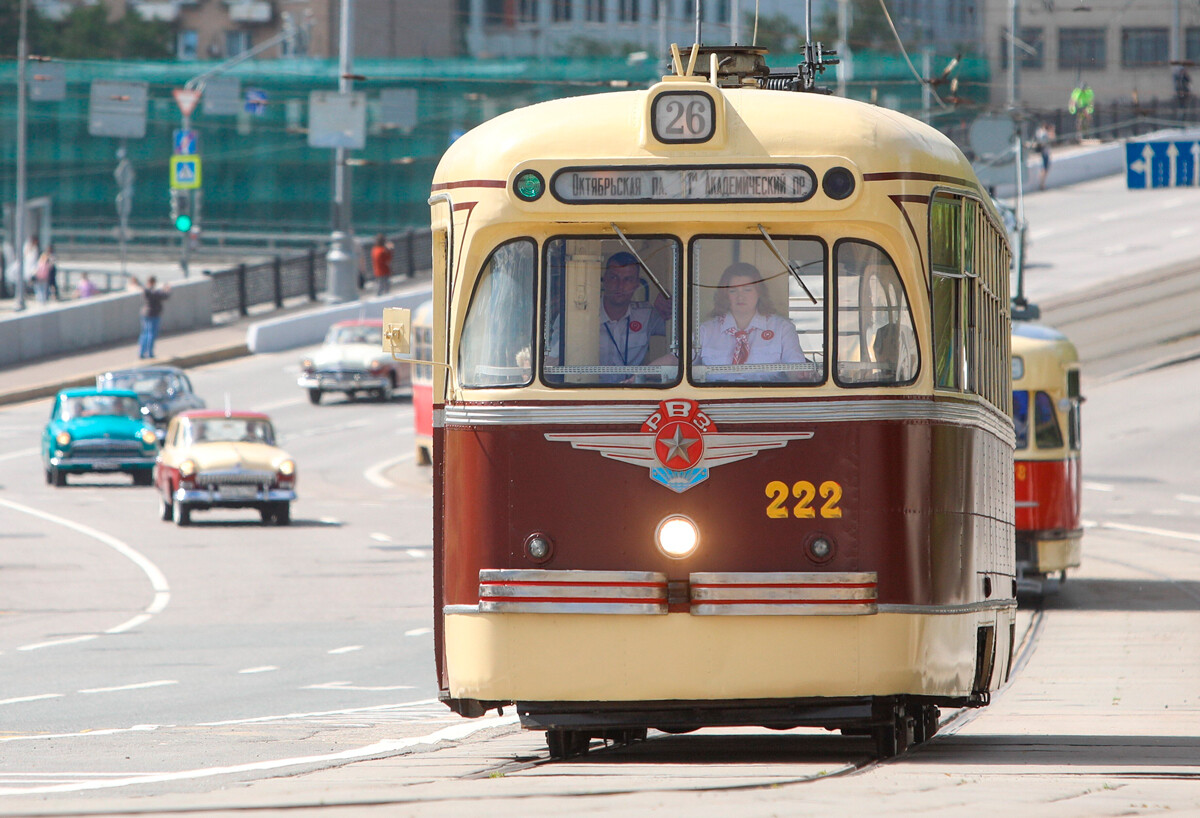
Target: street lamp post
[
  {"x": 340, "y": 262},
  {"x": 19, "y": 216}
]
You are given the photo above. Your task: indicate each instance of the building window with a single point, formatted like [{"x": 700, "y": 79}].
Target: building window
[
  {"x": 186, "y": 44},
  {"x": 1081, "y": 48},
  {"x": 1191, "y": 43},
  {"x": 236, "y": 42},
  {"x": 1031, "y": 48},
  {"x": 1143, "y": 46},
  {"x": 493, "y": 13},
  {"x": 722, "y": 11},
  {"x": 561, "y": 11},
  {"x": 527, "y": 11},
  {"x": 627, "y": 11},
  {"x": 594, "y": 11}
]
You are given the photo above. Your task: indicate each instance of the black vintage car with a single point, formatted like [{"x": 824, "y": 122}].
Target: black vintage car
[{"x": 164, "y": 391}]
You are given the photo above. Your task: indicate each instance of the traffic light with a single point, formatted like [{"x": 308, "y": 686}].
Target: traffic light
[{"x": 181, "y": 210}]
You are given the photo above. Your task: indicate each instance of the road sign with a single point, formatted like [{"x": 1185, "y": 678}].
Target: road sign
[
  {"x": 1162, "y": 163},
  {"x": 256, "y": 101},
  {"x": 222, "y": 96},
  {"x": 48, "y": 82},
  {"x": 337, "y": 120},
  {"x": 117, "y": 109},
  {"x": 185, "y": 172},
  {"x": 183, "y": 143},
  {"x": 186, "y": 99}
]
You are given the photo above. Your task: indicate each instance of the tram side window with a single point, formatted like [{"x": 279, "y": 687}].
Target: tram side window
[
  {"x": 1045, "y": 423},
  {"x": 610, "y": 312},
  {"x": 1074, "y": 430},
  {"x": 755, "y": 319},
  {"x": 498, "y": 331},
  {"x": 1020, "y": 416},
  {"x": 876, "y": 343}
]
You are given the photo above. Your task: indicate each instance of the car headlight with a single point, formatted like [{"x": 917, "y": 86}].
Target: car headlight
[
  {"x": 287, "y": 468},
  {"x": 148, "y": 436},
  {"x": 307, "y": 365},
  {"x": 63, "y": 438},
  {"x": 376, "y": 366},
  {"x": 187, "y": 468}
]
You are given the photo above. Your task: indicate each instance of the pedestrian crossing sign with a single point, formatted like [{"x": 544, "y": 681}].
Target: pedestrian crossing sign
[{"x": 185, "y": 172}]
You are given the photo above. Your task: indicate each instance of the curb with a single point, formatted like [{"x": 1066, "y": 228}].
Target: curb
[{"x": 45, "y": 390}]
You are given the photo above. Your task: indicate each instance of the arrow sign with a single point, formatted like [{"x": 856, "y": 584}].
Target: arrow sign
[{"x": 186, "y": 99}]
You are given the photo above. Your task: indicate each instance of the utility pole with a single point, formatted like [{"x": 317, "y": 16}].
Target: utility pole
[
  {"x": 19, "y": 216},
  {"x": 341, "y": 261}
]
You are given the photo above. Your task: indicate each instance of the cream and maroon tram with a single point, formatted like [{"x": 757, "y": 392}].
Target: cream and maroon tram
[
  {"x": 722, "y": 435},
  {"x": 1048, "y": 481}
]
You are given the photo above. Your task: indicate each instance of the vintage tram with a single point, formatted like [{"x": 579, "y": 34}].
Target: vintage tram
[
  {"x": 1046, "y": 405},
  {"x": 721, "y": 415}
]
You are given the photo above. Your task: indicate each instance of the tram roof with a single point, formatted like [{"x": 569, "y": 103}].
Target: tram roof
[
  {"x": 609, "y": 127},
  {"x": 1045, "y": 351}
]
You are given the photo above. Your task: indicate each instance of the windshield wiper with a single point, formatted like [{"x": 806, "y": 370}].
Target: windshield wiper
[
  {"x": 786, "y": 264},
  {"x": 646, "y": 267}
]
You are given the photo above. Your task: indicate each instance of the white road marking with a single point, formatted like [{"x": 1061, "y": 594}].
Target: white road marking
[
  {"x": 1113, "y": 249},
  {"x": 346, "y": 712},
  {"x": 137, "y": 728},
  {"x": 379, "y": 749},
  {"x": 374, "y": 474},
  {"x": 158, "y": 581},
  {"x": 418, "y": 553},
  {"x": 1166, "y": 512},
  {"x": 381, "y": 537},
  {"x": 347, "y": 649},
  {"x": 20, "y": 453},
  {"x": 135, "y": 686},
  {"x": 53, "y": 643},
  {"x": 329, "y": 521},
  {"x": 261, "y": 669},
  {"x": 36, "y": 698},
  {"x": 1180, "y": 232},
  {"x": 1157, "y": 532},
  {"x": 1098, "y": 486},
  {"x": 418, "y": 631},
  {"x": 1187, "y": 498},
  {"x": 1111, "y": 216},
  {"x": 352, "y": 686}
]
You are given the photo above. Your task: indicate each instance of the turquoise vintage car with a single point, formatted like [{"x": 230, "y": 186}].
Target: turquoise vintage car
[{"x": 98, "y": 431}]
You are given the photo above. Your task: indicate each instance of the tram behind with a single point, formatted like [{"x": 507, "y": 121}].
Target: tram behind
[
  {"x": 1046, "y": 417},
  {"x": 722, "y": 437}
]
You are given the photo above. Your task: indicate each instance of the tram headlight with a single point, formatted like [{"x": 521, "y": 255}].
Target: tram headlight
[{"x": 677, "y": 536}]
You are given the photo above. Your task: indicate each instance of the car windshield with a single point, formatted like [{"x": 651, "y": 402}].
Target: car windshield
[
  {"x": 231, "y": 430},
  {"x": 89, "y": 406},
  {"x": 144, "y": 383},
  {"x": 356, "y": 335}
]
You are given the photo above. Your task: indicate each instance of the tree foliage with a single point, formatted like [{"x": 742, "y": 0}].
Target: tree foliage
[
  {"x": 778, "y": 33},
  {"x": 85, "y": 34},
  {"x": 868, "y": 28}
]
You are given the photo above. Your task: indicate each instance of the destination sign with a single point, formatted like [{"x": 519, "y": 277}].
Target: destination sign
[{"x": 695, "y": 183}]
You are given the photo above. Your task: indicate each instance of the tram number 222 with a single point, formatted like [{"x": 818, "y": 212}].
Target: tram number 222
[{"x": 804, "y": 491}]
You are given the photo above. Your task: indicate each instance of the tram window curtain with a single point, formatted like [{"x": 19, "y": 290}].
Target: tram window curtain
[
  {"x": 498, "y": 332},
  {"x": 876, "y": 342},
  {"x": 754, "y": 320}
]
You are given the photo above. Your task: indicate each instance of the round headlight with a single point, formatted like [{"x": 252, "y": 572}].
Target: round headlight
[
  {"x": 63, "y": 438},
  {"x": 677, "y": 536},
  {"x": 148, "y": 436},
  {"x": 287, "y": 467},
  {"x": 306, "y": 364},
  {"x": 187, "y": 468}
]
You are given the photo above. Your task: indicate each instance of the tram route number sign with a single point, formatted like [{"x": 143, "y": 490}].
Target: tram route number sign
[
  {"x": 674, "y": 184},
  {"x": 1162, "y": 163}
]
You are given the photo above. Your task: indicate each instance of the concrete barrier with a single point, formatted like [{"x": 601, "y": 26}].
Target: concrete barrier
[
  {"x": 102, "y": 320},
  {"x": 290, "y": 332}
]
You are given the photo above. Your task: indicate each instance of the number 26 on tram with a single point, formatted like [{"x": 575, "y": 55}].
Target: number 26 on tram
[{"x": 721, "y": 435}]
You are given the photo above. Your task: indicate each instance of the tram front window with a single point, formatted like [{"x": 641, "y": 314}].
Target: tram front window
[
  {"x": 610, "y": 311},
  {"x": 498, "y": 333},
  {"x": 756, "y": 317}
]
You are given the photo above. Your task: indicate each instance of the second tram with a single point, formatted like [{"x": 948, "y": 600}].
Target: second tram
[
  {"x": 1046, "y": 416},
  {"x": 722, "y": 433}
]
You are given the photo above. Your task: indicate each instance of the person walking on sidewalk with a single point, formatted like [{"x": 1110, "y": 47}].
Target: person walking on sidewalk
[
  {"x": 152, "y": 308},
  {"x": 381, "y": 263}
]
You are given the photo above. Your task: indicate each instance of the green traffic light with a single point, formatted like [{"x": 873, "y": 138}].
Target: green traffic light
[{"x": 183, "y": 223}]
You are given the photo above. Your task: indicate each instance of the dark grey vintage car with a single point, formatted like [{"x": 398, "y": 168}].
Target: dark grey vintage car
[{"x": 164, "y": 391}]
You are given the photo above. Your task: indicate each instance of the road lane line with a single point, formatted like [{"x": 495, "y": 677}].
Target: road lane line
[
  {"x": 1187, "y": 498},
  {"x": 158, "y": 580},
  {"x": 1157, "y": 532},
  {"x": 350, "y": 711},
  {"x": 347, "y": 649},
  {"x": 21, "y": 453},
  {"x": 418, "y": 631},
  {"x": 36, "y": 698},
  {"x": 381, "y": 749},
  {"x": 134, "y": 686},
  {"x": 53, "y": 643},
  {"x": 374, "y": 474},
  {"x": 1090, "y": 486},
  {"x": 263, "y": 669},
  {"x": 352, "y": 686},
  {"x": 112, "y": 731}
]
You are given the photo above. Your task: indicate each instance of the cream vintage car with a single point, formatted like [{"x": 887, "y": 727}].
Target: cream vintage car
[
  {"x": 213, "y": 459},
  {"x": 352, "y": 361}
]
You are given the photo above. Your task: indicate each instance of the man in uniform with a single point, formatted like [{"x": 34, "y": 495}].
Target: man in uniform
[{"x": 626, "y": 325}]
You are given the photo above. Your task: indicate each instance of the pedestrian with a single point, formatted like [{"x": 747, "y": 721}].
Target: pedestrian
[
  {"x": 152, "y": 306},
  {"x": 43, "y": 272},
  {"x": 33, "y": 252},
  {"x": 1081, "y": 106},
  {"x": 381, "y": 262},
  {"x": 1043, "y": 137},
  {"x": 85, "y": 288},
  {"x": 1183, "y": 87}
]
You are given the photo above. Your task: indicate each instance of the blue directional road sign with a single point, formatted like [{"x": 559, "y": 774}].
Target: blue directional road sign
[
  {"x": 256, "y": 101},
  {"x": 185, "y": 172},
  {"x": 184, "y": 143},
  {"x": 1162, "y": 163}
]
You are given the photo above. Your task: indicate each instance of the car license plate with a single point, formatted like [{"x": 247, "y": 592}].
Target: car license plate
[{"x": 239, "y": 492}]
